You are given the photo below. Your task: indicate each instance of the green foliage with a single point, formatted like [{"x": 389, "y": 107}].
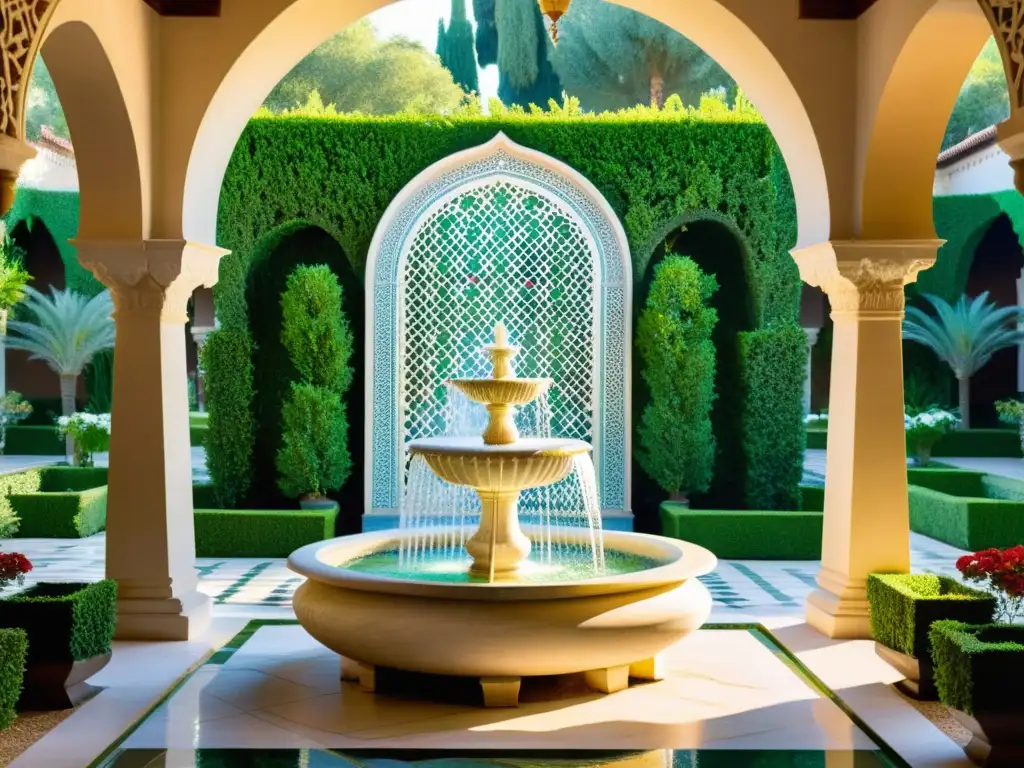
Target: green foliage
[
  {"x": 773, "y": 366},
  {"x": 966, "y": 522},
  {"x": 99, "y": 381},
  {"x": 228, "y": 383},
  {"x": 66, "y": 515},
  {"x": 356, "y": 72},
  {"x": 42, "y": 108},
  {"x": 15, "y": 483},
  {"x": 973, "y": 664},
  {"x": 197, "y": 434},
  {"x": 259, "y": 533},
  {"x": 611, "y": 57},
  {"x": 276, "y": 257},
  {"x": 36, "y": 440},
  {"x": 921, "y": 393},
  {"x": 66, "y": 329},
  {"x": 14, "y": 278},
  {"x": 13, "y": 652},
  {"x": 677, "y": 446},
  {"x": 904, "y": 607},
  {"x": 746, "y": 534},
  {"x": 486, "y": 32},
  {"x": 652, "y": 166},
  {"x": 983, "y": 99},
  {"x": 983, "y": 443},
  {"x": 314, "y": 331},
  {"x": 314, "y": 456},
  {"x": 955, "y": 482},
  {"x": 65, "y": 620},
  {"x": 523, "y": 55},
  {"x": 457, "y": 53},
  {"x": 57, "y": 213}
]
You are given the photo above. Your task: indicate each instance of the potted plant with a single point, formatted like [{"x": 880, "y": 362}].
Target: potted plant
[
  {"x": 1012, "y": 412},
  {"x": 978, "y": 668},
  {"x": 903, "y": 608},
  {"x": 313, "y": 457},
  {"x": 89, "y": 433},
  {"x": 69, "y": 627},
  {"x": 924, "y": 430}
]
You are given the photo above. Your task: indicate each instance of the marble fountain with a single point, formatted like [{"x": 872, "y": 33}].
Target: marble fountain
[{"x": 478, "y": 595}]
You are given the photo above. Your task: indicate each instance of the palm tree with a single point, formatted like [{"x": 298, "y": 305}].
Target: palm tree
[
  {"x": 965, "y": 336},
  {"x": 66, "y": 330}
]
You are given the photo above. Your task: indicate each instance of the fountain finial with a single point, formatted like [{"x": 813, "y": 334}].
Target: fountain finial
[{"x": 501, "y": 353}]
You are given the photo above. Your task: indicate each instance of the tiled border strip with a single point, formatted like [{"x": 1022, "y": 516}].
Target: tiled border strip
[{"x": 759, "y": 631}]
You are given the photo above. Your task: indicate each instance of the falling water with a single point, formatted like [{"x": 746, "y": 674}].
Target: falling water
[{"x": 439, "y": 517}]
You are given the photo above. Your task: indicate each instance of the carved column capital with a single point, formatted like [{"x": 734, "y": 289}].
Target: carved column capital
[
  {"x": 151, "y": 276},
  {"x": 865, "y": 278}
]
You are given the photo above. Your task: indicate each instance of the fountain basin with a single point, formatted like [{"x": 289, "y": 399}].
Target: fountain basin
[
  {"x": 528, "y": 463},
  {"x": 503, "y": 629}
]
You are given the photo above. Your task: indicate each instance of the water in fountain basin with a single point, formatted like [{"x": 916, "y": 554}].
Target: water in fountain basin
[{"x": 439, "y": 517}]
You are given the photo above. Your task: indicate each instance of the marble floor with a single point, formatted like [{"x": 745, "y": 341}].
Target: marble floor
[{"x": 725, "y": 689}]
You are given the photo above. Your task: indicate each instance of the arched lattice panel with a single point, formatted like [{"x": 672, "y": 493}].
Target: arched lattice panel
[
  {"x": 499, "y": 251},
  {"x": 494, "y": 233}
]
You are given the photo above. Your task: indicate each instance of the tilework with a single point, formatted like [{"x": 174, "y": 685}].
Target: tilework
[{"x": 726, "y": 689}]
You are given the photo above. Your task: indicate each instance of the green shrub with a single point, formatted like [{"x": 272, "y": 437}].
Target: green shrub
[
  {"x": 260, "y": 533},
  {"x": 204, "y": 496},
  {"x": 314, "y": 331},
  {"x": 677, "y": 446},
  {"x": 746, "y": 534},
  {"x": 980, "y": 443},
  {"x": 817, "y": 439},
  {"x": 1004, "y": 488},
  {"x": 197, "y": 434},
  {"x": 975, "y": 664},
  {"x": 13, "y": 651},
  {"x": 812, "y": 498},
  {"x": 60, "y": 515},
  {"x": 228, "y": 383},
  {"x": 65, "y": 479},
  {"x": 63, "y": 620},
  {"x": 314, "y": 457},
  {"x": 276, "y": 257},
  {"x": 33, "y": 441},
  {"x": 964, "y": 522},
  {"x": 955, "y": 482},
  {"x": 15, "y": 483},
  {"x": 773, "y": 369},
  {"x": 904, "y": 606}
]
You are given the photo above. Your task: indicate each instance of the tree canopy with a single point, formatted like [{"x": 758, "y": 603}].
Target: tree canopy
[
  {"x": 357, "y": 72},
  {"x": 511, "y": 34},
  {"x": 43, "y": 107},
  {"x": 455, "y": 48},
  {"x": 983, "y": 100},
  {"x": 613, "y": 58}
]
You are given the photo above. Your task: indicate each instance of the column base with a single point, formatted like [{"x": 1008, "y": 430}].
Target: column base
[
  {"x": 839, "y": 618},
  {"x": 176, "y": 618}
]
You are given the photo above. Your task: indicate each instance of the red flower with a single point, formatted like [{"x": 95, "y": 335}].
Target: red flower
[
  {"x": 529, "y": 283},
  {"x": 13, "y": 567},
  {"x": 1003, "y": 572},
  {"x": 473, "y": 279}
]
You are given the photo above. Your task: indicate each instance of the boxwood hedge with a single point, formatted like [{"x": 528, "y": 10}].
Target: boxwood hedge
[
  {"x": 13, "y": 651},
  {"x": 975, "y": 664},
  {"x": 64, "y": 619},
  {"x": 259, "y": 532}
]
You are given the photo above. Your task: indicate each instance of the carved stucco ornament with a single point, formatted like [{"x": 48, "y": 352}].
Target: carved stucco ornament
[
  {"x": 866, "y": 278},
  {"x": 152, "y": 276}
]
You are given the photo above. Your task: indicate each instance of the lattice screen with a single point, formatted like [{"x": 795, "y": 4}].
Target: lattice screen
[{"x": 498, "y": 252}]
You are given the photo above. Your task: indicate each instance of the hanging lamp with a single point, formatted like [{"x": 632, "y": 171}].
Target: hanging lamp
[{"x": 554, "y": 10}]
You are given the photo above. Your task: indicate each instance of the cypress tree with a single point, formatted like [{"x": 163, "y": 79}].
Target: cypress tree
[
  {"x": 457, "y": 52},
  {"x": 441, "y": 50},
  {"x": 514, "y": 85}
]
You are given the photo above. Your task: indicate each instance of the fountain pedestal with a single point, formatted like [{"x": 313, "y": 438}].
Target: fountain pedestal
[{"x": 499, "y": 546}]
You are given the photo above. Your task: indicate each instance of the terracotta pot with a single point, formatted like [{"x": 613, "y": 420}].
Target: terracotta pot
[{"x": 997, "y": 738}]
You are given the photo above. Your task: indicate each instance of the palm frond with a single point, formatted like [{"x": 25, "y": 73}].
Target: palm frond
[
  {"x": 65, "y": 330},
  {"x": 964, "y": 335}
]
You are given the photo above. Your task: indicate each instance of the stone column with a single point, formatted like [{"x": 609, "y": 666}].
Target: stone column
[
  {"x": 150, "y": 536},
  {"x": 867, "y": 522},
  {"x": 812, "y": 339}
]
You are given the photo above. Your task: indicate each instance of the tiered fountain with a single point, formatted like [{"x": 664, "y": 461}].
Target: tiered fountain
[{"x": 498, "y": 615}]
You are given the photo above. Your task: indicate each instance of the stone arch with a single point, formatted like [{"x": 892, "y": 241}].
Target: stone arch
[
  {"x": 905, "y": 128},
  {"x": 110, "y": 183},
  {"x": 285, "y": 39},
  {"x": 567, "y": 212}
]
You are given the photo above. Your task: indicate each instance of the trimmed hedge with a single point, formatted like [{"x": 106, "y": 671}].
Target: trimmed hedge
[
  {"x": 197, "y": 434},
  {"x": 227, "y": 362},
  {"x": 975, "y": 443},
  {"x": 59, "y": 502},
  {"x": 955, "y": 482},
  {"x": 63, "y": 619},
  {"x": 966, "y": 522},
  {"x": 976, "y": 665},
  {"x": 15, "y": 483},
  {"x": 259, "y": 532},
  {"x": 750, "y": 534},
  {"x": 33, "y": 441},
  {"x": 904, "y": 607},
  {"x": 13, "y": 651},
  {"x": 773, "y": 367}
]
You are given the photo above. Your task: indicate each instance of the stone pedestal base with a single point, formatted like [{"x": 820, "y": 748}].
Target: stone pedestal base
[
  {"x": 835, "y": 617},
  {"x": 181, "y": 618}
]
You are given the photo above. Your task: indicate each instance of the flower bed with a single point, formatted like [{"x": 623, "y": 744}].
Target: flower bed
[
  {"x": 70, "y": 628},
  {"x": 903, "y": 609},
  {"x": 66, "y": 503},
  {"x": 968, "y": 510},
  {"x": 751, "y": 534}
]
